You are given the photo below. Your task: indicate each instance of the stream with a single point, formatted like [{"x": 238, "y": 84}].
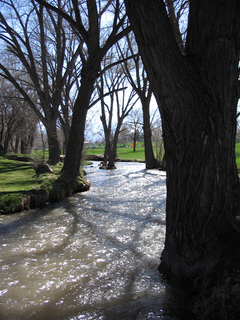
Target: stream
[{"x": 91, "y": 256}]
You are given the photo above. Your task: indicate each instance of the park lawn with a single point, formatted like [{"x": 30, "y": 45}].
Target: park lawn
[
  {"x": 123, "y": 153},
  {"x": 20, "y": 176},
  {"x": 128, "y": 154},
  {"x": 17, "y": 177}
]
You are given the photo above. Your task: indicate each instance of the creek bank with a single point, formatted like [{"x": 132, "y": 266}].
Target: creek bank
[{"x": 63, "y": 186}]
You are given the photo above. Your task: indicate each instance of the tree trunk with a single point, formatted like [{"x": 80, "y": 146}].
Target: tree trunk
[
  {"x": 108, "y": 153},
  {"x": 150, "y": 161},
  {"x": 116, "y": 135},
  {"x": 53, "y": 144},
  {"x": 197, "y": 95},
  {"x": 16, "y": 144},
  {"x": 24, "y": 145},
  {"x": 111, "y": 164},
  {"x": 76, "y": 138}
]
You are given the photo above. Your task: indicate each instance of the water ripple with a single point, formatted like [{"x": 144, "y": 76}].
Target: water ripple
[{"x": 92, "y": 256}]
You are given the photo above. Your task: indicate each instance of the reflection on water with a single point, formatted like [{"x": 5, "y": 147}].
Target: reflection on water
[{"x": 92, "y": 256}]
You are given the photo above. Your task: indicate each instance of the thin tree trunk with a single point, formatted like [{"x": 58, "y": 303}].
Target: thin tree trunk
[
  {"x": 24, "y": 145},
  {"x": 116, "y": 135},
  {"x": 16, "y": 144},
  {"x": 150, "y": 160}
]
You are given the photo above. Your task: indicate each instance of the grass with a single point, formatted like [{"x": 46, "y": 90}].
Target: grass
[
  {"x": 123, "y": 153},
  {"x": 18, "y": 178}
]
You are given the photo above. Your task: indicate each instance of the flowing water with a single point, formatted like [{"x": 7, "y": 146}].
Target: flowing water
[{"x": 92, "y": 256}]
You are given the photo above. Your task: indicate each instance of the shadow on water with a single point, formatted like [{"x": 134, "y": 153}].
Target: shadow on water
[
  {"x": 123, "y": 307},
  {"x": 128, "y": 286},
  {"x": 36, "y": 214}
]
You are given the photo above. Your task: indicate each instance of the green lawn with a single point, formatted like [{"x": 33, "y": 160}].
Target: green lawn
[
  {"x": 18, "y": 179},
  {"x": 123, "y": 153},
  {"x": 20, "y": 176}
]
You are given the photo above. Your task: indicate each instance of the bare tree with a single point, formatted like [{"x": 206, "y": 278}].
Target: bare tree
[
  {"x": 37, "y": 46},
  {"x": 17, "y": 121},
  {"x": 138, "y": 79},
  {"x": 87, "y": 20},
  {"x": 134, "y": 125},
  {"x": 114, "y": 82}
]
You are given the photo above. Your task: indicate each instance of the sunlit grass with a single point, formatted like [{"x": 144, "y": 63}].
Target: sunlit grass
[
  {"x": 123, "y": 153},
  {"x": 127, "y": 153},
  {"x": 21, "y": 176}
]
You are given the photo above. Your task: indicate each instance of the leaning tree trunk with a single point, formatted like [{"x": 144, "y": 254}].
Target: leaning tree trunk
[
  {"x": 76, "y": 137},
  {"x": 150, "y": 161},
  {"x": 197, "y": 94},
  {"x": 116, "y": 135}
]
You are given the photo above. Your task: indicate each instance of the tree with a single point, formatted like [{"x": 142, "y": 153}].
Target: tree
[
  {"x": 197, "y": 95},
  {"x": 137, "y": 77},
  {"x": 87, "y": 19},
  {"x": 114, "y": 81},
  {"x": 37, "y": 49},
  {"x": 135, "y": 126},
  {"x": 17, "y": 121}
]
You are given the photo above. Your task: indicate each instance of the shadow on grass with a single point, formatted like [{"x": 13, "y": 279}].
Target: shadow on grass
[
  {"x": 23, "y": 183},
  {"x": 7, "y": 167}
]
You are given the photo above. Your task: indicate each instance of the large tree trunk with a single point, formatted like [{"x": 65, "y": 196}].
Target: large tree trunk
[
  {"x": 110, "y": 154},
  {"x": 76, "y": 138},
  {"x": 197, "y": 95},
  {"x": 150, "y": 161}
]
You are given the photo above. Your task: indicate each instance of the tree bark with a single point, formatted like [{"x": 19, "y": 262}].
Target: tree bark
[
  {"x": 197, "y": 97},
  {"x": 150, "y": 160},
  {"x": 76, "y": 138},
  {"x": 53, "y": 143},
  {"x": 109, "y": 149}
]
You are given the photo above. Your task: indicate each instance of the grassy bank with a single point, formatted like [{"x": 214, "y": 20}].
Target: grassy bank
[{"x": 22, "y": 189}]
